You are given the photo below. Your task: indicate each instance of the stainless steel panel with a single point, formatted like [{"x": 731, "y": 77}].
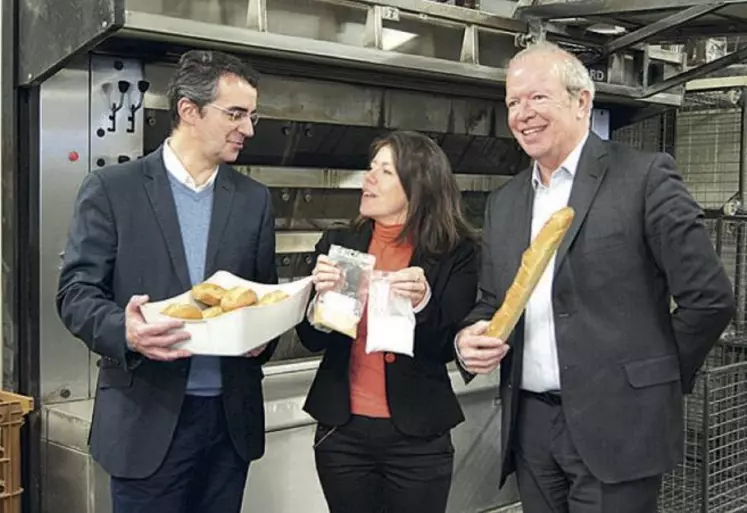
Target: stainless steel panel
[
  {"x": 503, "y": 8},
  {"x": 67, "y": 423},
  {"x": 76, "y": 134},
  {"x": 63, "y": 163},
  {"x": 309, "y": 15},
  {"x": 285, "y": 478},
  {"x": 314, "y": 178},
  {"x": 168, "y": 29},
  {"x": 427, "y": 9},
  {"x": 412, "y": 110},
  {"x": 327, "y": 101},
  {"x": 115, "y": 136},
  {"x": 8, "y": 167},
  {"x": 419, "y": 38},
  {"x": 296, "y": 242},
  {"x": 65, "y": 479},
  {"x": 100, "y": 494},
  {"x": 496, "y": 48},
  {"x": 49, "y": 36},
  {"x": 291, "y": 98},
  {"x": 165, "y": 28}
]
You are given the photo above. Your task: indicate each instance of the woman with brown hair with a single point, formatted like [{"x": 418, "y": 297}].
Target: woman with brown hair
[{"x": 383, "y": 439}]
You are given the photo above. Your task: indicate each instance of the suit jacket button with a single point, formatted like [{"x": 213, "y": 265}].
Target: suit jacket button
[{"x": 389, "y": 358}]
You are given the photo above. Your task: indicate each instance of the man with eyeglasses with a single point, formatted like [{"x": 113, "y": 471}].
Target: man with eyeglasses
[{"x": 175, "y": 431}]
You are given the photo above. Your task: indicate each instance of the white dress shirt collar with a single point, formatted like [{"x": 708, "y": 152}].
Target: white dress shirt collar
[
  {"x": 175, "y": 167},
  {"x": 570, "y": 164}
]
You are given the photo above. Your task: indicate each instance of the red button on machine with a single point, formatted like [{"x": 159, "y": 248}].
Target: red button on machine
[{"x": 389, "y": 358}]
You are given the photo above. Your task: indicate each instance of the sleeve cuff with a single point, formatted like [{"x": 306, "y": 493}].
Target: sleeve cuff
[
  {"x": 421, "y": 306},
  {"x": 458, "y": 354}
]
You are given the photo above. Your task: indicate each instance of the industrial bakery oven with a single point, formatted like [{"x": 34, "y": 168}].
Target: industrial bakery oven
[{"x": 336, "y": 74}]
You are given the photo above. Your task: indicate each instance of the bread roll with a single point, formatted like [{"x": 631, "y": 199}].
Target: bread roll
[
  {"x": 183, "y": 311},
  {"x": 238, "y": 297},
  {"x": 534, "y": 261},
  {"x": 335, "y": 320},
  {"x": 276, "y": 296},
  {"x": 208, "y": 293},
  {"x": 213, "y": 311}
]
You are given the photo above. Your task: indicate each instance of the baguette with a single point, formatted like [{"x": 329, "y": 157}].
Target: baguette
[{"x": 534, "y": 261}]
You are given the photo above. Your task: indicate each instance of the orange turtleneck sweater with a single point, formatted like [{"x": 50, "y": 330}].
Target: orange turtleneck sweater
[{"x": 367, "y": 377}]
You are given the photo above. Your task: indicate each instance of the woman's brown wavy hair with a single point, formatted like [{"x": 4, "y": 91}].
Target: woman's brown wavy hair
[{"x": 435, "y": 221}]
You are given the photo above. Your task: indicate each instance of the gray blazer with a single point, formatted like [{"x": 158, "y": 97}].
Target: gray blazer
[
  {"x": 625, "y": 360},
  {"x": 125, "y": 240}
]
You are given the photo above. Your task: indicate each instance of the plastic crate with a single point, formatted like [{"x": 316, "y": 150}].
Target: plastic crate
[{"x": 13, "y": 410}]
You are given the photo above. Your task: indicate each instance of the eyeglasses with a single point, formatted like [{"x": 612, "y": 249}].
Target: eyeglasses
[{"x": 237, "y": 115}]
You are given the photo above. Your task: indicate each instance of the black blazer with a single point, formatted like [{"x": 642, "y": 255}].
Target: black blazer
[
  {"x": 625, "y": 360},
  {"x": 421, "y": 400},
  {"x": 125, "y": 240}
]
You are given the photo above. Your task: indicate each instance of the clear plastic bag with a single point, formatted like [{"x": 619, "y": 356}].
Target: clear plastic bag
[
  {"x": 341, "y": 308},
  {"x": 391, "y": 320}
]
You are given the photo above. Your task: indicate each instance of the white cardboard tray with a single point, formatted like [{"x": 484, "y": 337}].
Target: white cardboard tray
[{"x": 237, "y": 332}]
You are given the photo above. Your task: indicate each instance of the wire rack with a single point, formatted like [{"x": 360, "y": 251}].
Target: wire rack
[
  {"x": 707, "y": 147},
  {"x": 712, "y": 477},
  {"x": 646, "y": 135},
  {"x": 704, "y": 136},
  {"x": 729, "y": 235}
]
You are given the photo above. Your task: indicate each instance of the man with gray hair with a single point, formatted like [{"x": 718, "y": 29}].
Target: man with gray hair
[
  {"x": 176, "y": 432},
  {"x": 592, "y": 377}
]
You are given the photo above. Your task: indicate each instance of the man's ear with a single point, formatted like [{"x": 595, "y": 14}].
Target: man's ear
[
  {"x": 188, "y": 111},
  {"x": 584, "y": 104}
]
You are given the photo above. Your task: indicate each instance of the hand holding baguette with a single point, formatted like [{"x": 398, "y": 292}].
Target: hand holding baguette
[{"x": 482, "y": 345}]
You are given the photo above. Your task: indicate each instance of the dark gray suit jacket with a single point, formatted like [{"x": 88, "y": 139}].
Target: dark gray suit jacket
[
  {"x": 125, "y": 240},
  {"x": 625, "y": 360}
]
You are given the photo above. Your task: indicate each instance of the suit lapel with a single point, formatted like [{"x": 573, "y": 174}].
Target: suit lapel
[
  {"x": 158, "y": 189},
  {"x": 592, "y": 167},
  {"x": 521, "y": 217},
  {"x": 222, "y": 204}
]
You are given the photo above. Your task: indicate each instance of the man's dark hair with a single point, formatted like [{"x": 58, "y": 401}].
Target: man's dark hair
[
  {"x": 197, "y": 77},
  {"x": 435, "y": 220}
]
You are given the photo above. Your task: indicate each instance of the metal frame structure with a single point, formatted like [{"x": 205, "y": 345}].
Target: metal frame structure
[
  {"x": 8, "y": 173},
  {"x": 104, "y": 23},
  {"x": 668, "y": 21}
]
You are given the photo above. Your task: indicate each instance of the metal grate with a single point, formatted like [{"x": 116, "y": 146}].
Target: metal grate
[
  {"x": 707, "y": 146},
  {"x": 712, "y": 477},
  {"x": 730, "y": 238},
  {"x": 704, "y": 137},
  {"x": 646, "y": 135}
]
